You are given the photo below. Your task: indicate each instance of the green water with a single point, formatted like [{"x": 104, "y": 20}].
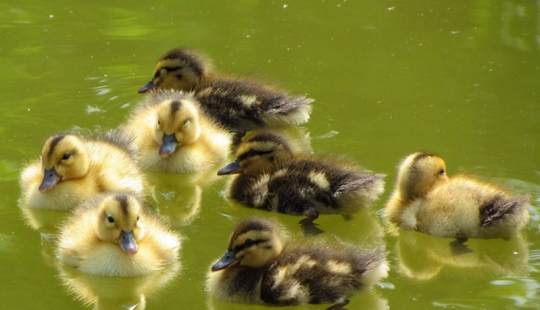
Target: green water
[{"x": 459, "y": 78}]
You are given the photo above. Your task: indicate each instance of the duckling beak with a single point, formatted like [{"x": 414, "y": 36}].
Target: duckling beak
[
  {"x": 127, "y": 242},
  {"x": 149, "y": 86},
  {"x": 50, "y": 178},
  {"x": 168, "y": 146},
  {"x": 231, "y": 168},
  {"x": 228, "y": 260}
]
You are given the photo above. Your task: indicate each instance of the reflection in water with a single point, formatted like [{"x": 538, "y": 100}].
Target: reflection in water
[
  {"x": 424, "y": 257},
  {"x": 116, "y": 292}
]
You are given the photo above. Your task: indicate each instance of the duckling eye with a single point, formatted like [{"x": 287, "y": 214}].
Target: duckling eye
[
  {"x": 159, "y": 122},
  {"x": 66, "y": 156},
  {"x": 253, "y": 153},
  {"x": 110, "y": 219},
  {"x": 441, "y": 172},
  {"x": 137, "y": 217},
  {"x": 249, "y": 242}
]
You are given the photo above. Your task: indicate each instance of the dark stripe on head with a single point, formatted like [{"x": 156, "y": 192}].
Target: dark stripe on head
[
  {"x": 54, "y": 142},
  {"x": 420, "y": 156},
  {"x": 249, "y": 225},
  {"x": 190, "y": 58},
  {"x": 122, "y": 199},
  {"x": 270, "y": 136},
  {"x": 175, "y": 106}
]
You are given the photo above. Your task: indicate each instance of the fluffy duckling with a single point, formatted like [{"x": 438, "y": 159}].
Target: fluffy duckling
[
  {"x": 113, "y": 235},
  {"x": 173, "y": 135},
  {"x": 273, "y": 177},
  {"x": 73, "y": 168},
  {"x": 239, "y": 104},
  {"x": 260, "y": 267},
  {"x": 426, "y": 200}
]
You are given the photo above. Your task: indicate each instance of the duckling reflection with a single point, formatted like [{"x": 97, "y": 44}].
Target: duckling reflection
[
  {"x": 425, "y": 257},
  {"x": 263, "y": 267},
  {"x": 107, "y": 293},
  {"x": 272, "y": 177},
  {"x": 238, "y": 104},
  {"x": 73, "y": 167},
  {"x": 173, "y": 134},
  {"x": 47, "y": 223},
  {"x": 426, "y": 200},
  {"x": 177, "y": 197}
]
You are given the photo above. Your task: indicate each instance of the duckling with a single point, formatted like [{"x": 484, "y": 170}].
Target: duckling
[
  {"x": 112, "y": 234},
  {"x": 273, "y": 177},
  {"x": 73, "y": 168},
  {"x": 261, "y": 267},
  {"x": 426, "y": 200},
  {"x": 239, "y": 104},
  {"x": 173, "y": 135}
]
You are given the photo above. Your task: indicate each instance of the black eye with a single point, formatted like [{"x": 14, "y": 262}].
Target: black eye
[
  {"x": 249, "y": 242},
  {"x": 159, "y": 122},
  {"x": 110, "y": 219},
  {"x": 137, "y": 217},
  {"x": 441, "y": 172},
  {"x": 179, "y": 76},
  {"x": 252, "y": 152},
  {"x": 66, "y": 156}
]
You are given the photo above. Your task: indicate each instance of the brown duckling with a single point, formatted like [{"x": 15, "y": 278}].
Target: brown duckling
[
  {"x": 114, "y": 235},
  {"x": 262, "y": 267},
  {"x": 272, "y": 177},
  {"x": 239, "y": 104},
  {"x": 426, "y": 200},
  {"x": 73, "y": 168},
  {"x": 173, "y": 135}
]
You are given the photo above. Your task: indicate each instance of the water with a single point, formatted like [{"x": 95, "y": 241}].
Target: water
[{"x": 459, "y": 78}]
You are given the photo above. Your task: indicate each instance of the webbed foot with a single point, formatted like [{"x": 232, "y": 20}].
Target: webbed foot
[
  {"x": 458, "y": 248},
  {"x": 339, "y": 306}
]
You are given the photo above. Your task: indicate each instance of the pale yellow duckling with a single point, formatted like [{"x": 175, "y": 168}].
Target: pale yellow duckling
[
  {"x": 73, "y": 168},
  {"x": 426, "y": 200},
  {"x": 239, "y": 104},
  {"x": 261, "y": 267},
  {"x": 173, "y": 135},
  {"x": 114, "y": 235},
  {"x": 274, "y": 177}
]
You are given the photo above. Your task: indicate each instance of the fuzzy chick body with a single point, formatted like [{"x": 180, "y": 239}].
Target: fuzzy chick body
[
  {"x": 426, "y": 200},
  {"x": 274, "y": 178},
  {"x": 173, "y": 135},
  {"x": 239, "y": 104},
  {"x": 262, "y": 267},
  {"x": 113, "y": 235},
  {"x": 73, "y": 168}
]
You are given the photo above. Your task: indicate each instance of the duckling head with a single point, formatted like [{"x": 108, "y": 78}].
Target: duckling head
[
  {"x": 418, "y": 173},
  {"x": 179, "y": 69},
  {"x": 259, "y": 153},
  {"x": 63, "y": 158},
  {"x": 119, "y": 222},
  {"x": 253, "y": 243},
  {"x": 177, "y": 123}
]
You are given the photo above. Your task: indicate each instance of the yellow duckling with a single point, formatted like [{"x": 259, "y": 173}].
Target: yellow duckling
[
  {"x": 173, "y": 135},
  {"x": 73, "y": 168},
  {"x": 113, "y": 235},
  {"x": 239, "y": 104},
  {"x": 426, "y": 200},
  {"x": 274, "y": 178},
  {"x": 260, "y": 267}
]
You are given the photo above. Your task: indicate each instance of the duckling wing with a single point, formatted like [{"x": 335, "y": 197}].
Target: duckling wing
[
  {"x": 500, "y": 207},
  {"x": 253, "y": 104},
  {"x": 316, "y": 275}
]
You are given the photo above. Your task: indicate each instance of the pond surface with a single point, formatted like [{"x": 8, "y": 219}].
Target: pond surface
[{"x": 459, "y": 78}]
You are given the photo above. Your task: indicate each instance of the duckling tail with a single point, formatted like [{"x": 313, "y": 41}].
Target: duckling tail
[{"x": 500, "y": 207}]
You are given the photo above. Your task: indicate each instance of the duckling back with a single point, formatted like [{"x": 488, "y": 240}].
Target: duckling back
[
  {"x": 465, "y": 207},
  {"x": 114, "y": 235}
]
